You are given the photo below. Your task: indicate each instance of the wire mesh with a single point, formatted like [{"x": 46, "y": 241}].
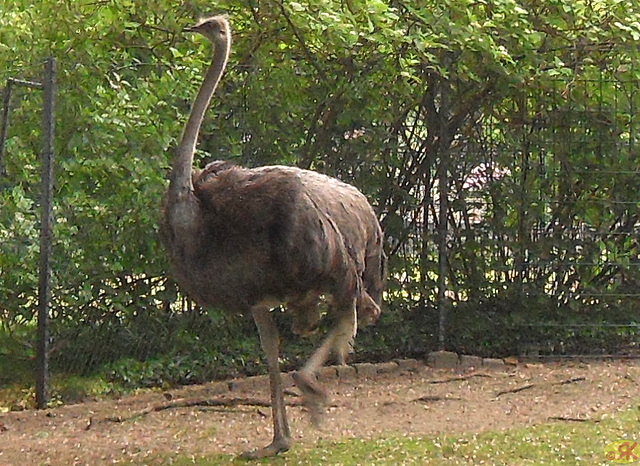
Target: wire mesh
[{"x": 541, "y": 251}]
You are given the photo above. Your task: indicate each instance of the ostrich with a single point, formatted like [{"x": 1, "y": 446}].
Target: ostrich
[{"x": 247, "y": 240}]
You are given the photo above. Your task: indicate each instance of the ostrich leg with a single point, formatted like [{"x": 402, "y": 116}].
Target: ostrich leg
[
  {"x": 338, "y": 342},
  {"x": 270, "y": 341}
]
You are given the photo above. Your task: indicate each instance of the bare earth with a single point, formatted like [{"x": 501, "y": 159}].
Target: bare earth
[{"x": 385, "y": 400}]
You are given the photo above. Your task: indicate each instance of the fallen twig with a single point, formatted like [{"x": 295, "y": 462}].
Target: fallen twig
[
  {"x": 428, "y": 398},
  {"x": 531, "y": 385},
  {"x": 226, "y": 402},
  {"x": 571, "y": 380},
  {"x": 457, "y": 379},
  {"x": 515, "y": 390},
  {"x": 572, "y": 419}
]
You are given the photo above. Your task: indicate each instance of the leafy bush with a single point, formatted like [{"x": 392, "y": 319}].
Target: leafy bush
[{"x": 531, "y": 117}]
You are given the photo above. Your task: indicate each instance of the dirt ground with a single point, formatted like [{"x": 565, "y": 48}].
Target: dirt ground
[{"x": 230, "y": 417}]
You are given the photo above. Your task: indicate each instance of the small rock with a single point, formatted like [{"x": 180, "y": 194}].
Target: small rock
[
  {"x": 346, "y": 372},
  {"x": 410, "y": 365},
  {"x": 387, "y": 367},
  {"x": 443, "y": 360},
  {"x": 327, "y": 373},
  {"x": 493, "y": 364},
  {"x": 470, "y": 362},
  {"x": 217, "y": 388},
  {"x": 366, "y": 369}
]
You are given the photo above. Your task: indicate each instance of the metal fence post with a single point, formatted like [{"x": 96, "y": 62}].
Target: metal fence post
[
  {"x": 44, "y": 286},
  {"x": 443, "y": 213},
  {"x": 5, "y": 123}
]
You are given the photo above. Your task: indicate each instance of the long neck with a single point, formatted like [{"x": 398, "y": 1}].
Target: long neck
[{"x": 183, "y": 160}]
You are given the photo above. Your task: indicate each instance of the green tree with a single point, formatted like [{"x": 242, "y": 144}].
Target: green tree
[{"x": 383, "y": 94}]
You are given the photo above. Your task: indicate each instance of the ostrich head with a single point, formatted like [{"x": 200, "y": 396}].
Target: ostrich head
[{"x": 215, "y": 28}]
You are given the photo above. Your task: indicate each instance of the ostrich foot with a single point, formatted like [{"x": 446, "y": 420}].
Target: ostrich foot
[
  {"x": 275, "y": 447},
  {"x": 314, "y": 397}
]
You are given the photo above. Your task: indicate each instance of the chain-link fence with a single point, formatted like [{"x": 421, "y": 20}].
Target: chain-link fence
[
  {"x": 542, "y": 239},
  {"x": 535, "y": 252}
]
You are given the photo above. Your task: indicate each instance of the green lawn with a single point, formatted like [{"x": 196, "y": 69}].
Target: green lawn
[{"x": 551, "y": 443}]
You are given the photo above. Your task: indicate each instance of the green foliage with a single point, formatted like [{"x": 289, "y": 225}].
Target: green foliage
[
  {"x": 528, "y": 105},
  {"x": 16, "y": 357},
  {"x": 193, "y": 359}
]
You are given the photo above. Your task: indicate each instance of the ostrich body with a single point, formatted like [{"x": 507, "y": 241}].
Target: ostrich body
[{"x": 246, "y": 240}]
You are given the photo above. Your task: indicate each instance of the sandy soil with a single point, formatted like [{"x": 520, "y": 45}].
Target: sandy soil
[{"x": 229, "y": 417}]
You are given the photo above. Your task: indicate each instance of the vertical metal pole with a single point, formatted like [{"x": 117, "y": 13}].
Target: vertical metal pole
[
  {"x": 5, "y": 124},
  {"x": 443, "y": 182},
  {"x": 44, "y": 289},
  {"x": 443, "y": 212}
]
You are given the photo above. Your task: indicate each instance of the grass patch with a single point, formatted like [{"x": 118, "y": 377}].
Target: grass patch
[
  {"x": 557, "y": 442},
  {"x": 18, "y": 373},
  {"x": 64, "y": 389}
]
